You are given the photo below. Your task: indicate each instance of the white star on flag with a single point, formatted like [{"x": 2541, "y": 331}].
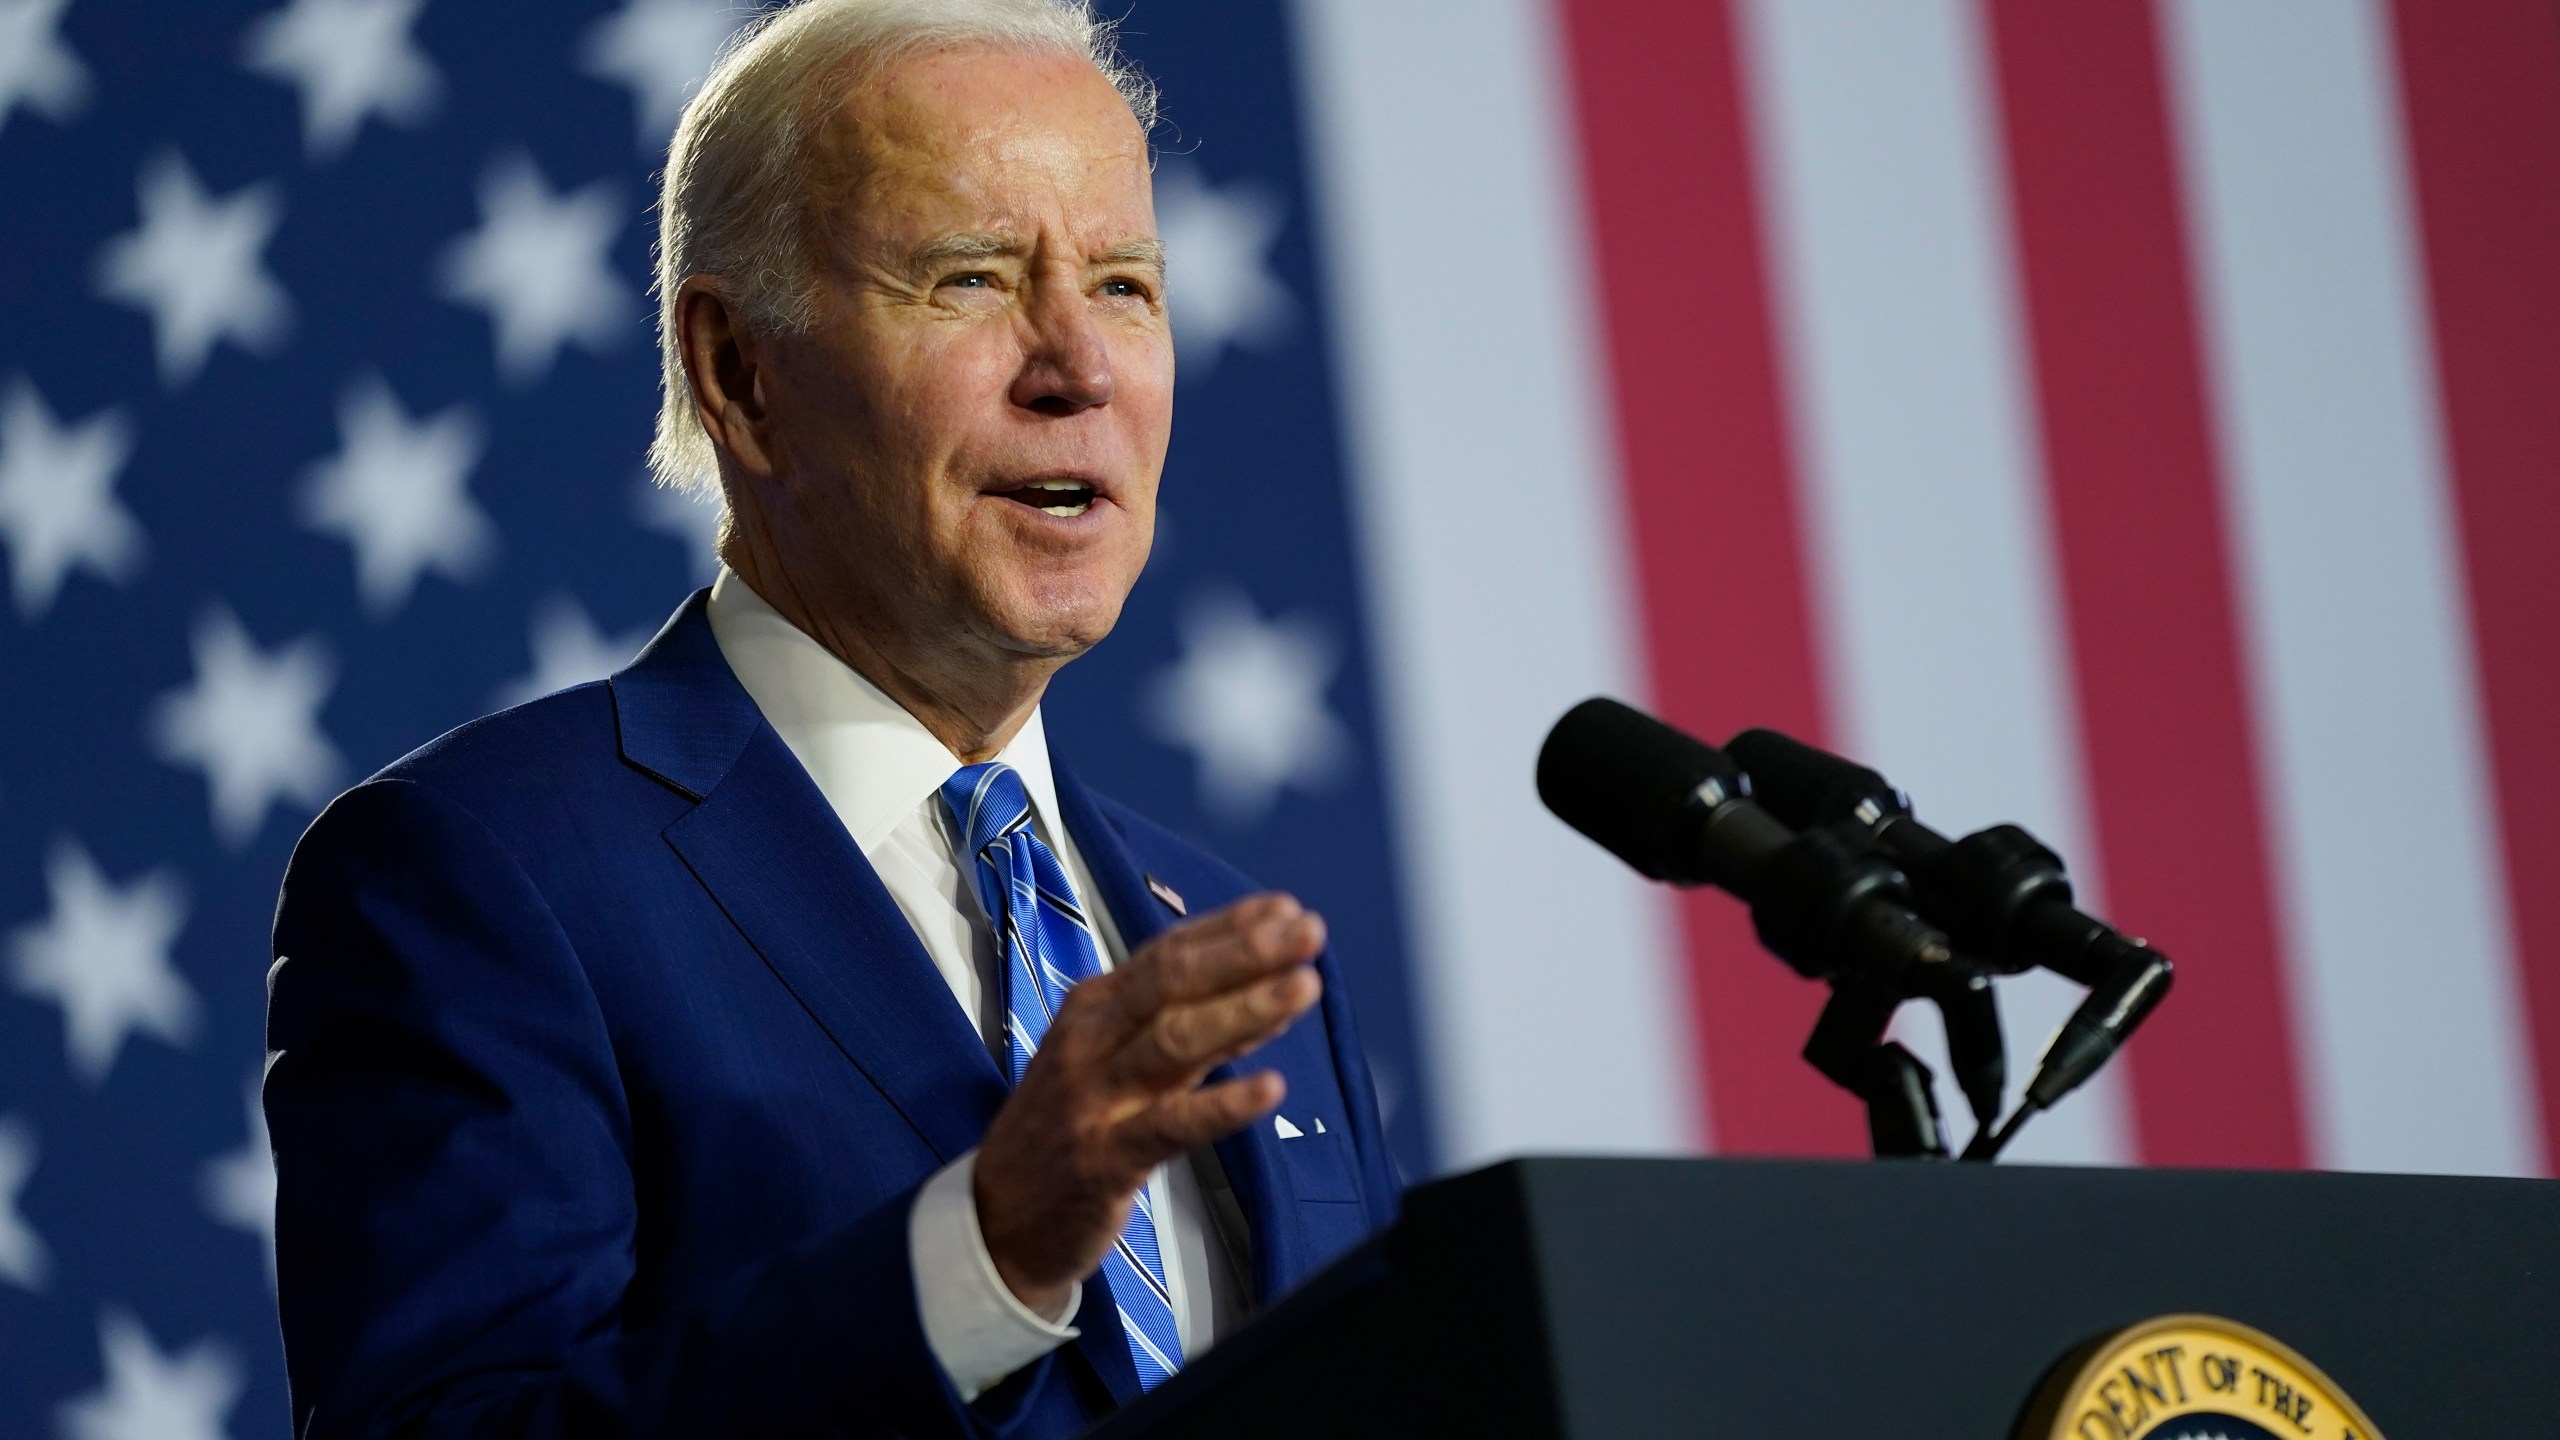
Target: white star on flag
[
  {"x": 148, "y": 1395},
  {"x": 250, "y": 722},
  {"x": 240, "y": 1187},
  {"x": 660, "y": 49},
  {"x": 103, "y": 956},
  {"x": 399, "y": 493},
  {"x": 37, "y": 69},
  {"x": 568, "y": 649},
  {"x": 1247, "y": 699},
  {"x": 351, "y": 58},
  {"x": 196, "y": 264},
  {"x": 58, "y": 505},
  {"x": 540, "y": 265},
  {"x": 691, "y": 516},
  {"x": 24, "y": 1260},
  {"x": 1219, "y": 289}
]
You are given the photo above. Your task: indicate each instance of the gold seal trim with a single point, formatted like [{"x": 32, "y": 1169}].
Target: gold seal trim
[{"x": 2133, "y": 1383}]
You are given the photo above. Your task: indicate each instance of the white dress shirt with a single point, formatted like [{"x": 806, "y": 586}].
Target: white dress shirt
[{"x": 882, "y": 771}]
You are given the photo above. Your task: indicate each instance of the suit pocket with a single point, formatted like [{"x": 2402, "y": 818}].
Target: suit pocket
[{"x": 1319, "y": 1167}]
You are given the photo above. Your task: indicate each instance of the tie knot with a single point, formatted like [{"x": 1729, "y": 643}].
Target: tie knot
[{"x": 987, "y": 802}]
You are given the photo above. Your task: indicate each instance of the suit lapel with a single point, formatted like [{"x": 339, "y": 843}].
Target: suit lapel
[
  {"x": 1250, "y": 1156},
  {"x": 778, "y": 862}
]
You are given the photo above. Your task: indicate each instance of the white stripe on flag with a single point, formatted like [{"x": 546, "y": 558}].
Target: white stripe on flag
[
  {"x": 2298, "y": 196},
  {"x": 1940, "y": 611},
  {"x": 1492, "y": 545}
]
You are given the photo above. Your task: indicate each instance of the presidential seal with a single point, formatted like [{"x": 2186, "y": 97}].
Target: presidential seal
[{"x": 2191, "y": 1377}]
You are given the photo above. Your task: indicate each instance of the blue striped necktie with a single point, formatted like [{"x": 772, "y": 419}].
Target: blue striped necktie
[{"x": 1048, "y": 946}]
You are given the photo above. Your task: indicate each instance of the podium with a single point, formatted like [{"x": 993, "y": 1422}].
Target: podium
[{"x": 1775, "y": 1299}]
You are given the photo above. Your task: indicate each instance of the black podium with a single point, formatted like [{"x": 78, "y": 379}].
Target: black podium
[{"x": 1769, "y": 1299}]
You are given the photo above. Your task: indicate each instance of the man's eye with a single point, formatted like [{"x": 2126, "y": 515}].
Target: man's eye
[
  {"x": 1123, "y": 288},
  {"x": 975, "y": 281}
]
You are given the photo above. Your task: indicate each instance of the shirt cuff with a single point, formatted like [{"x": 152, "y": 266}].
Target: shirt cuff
[{"x": 977, "y": 1327}]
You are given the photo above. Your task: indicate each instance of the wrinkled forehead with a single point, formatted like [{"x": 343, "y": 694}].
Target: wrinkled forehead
[{"x": 982, "y": 136}]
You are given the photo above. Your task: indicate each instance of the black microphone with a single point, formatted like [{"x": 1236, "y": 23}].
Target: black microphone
[
  {"x": 1679, "y": 810},
  {"x": 2000, "y": 893}
]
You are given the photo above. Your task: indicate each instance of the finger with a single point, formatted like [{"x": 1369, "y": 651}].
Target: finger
[
  {"x": 1184, "y": 1042},
  {"x": 1224, "y": 952},
  {"x": 1179, "y": 1124},
  {"x": 1232, "y": 949},
  {"x": 1251, "y": 939}
]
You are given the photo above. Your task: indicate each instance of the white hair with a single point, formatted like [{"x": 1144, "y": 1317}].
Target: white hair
[{"x": 734, "y": 199}]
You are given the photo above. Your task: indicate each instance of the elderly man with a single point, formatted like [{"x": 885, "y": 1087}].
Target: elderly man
[{"x": 771, "y": 1038}]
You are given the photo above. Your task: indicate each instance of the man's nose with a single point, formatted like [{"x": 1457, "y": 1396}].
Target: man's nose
[{"x": 1066, "y": 368}]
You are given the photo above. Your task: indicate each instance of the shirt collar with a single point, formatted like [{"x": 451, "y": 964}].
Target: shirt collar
[{"x": 874, "y": 762}]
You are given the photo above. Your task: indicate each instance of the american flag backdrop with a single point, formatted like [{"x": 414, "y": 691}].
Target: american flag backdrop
[{"x": 2140, "y": 421}]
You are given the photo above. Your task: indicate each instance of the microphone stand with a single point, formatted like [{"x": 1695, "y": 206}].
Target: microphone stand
[
  {"x": 1849, "y": 1048},
  {"x": 1807, "y": 892}
]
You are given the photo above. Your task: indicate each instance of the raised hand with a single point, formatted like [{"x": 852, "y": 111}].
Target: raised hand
[{"x": 1115, "y": 1089}]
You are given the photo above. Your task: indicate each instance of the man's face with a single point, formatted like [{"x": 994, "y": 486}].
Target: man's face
[{"x": 967, "y": 442}]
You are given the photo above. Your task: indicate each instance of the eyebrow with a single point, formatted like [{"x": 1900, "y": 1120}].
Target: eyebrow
[
  {"x": 967, "y": 246},
  {"x": 981, "y": 245},
  {"x": 1133, "y": 252}
]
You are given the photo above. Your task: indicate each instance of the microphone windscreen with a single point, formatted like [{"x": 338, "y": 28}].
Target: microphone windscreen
[
  {"x": 1805, "y": 786},
  {"x": 1630, "y": 782}
]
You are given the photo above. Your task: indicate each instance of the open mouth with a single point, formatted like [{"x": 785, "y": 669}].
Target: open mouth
[{"x": 1063, "y": 498}]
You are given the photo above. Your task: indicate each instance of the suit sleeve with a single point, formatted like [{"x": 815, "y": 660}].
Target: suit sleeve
[{"x": 456, "y": 1219}]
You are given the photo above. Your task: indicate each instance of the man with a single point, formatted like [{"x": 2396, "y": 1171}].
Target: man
[{"x": 771, "y": 1039}]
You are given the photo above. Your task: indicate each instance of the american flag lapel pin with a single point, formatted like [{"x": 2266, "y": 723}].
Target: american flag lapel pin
[{"x": 1171, "y": 897}]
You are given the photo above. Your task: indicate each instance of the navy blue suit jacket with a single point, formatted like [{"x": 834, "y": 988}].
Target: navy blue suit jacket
[{"x": 606, "y": 1073}]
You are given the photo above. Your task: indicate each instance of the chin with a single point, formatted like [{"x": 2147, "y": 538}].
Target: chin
[{"x": 1059, "y": 621}]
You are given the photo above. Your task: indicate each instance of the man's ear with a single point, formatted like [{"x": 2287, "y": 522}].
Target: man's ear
[{"x": 725, "y": 365}]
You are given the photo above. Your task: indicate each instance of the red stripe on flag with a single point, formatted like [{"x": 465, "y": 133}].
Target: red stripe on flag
[
  {"x": 1710, "y": 492},
  {"x": 2481, "y": 83},
  {"x": 2145, "y": 571}
]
